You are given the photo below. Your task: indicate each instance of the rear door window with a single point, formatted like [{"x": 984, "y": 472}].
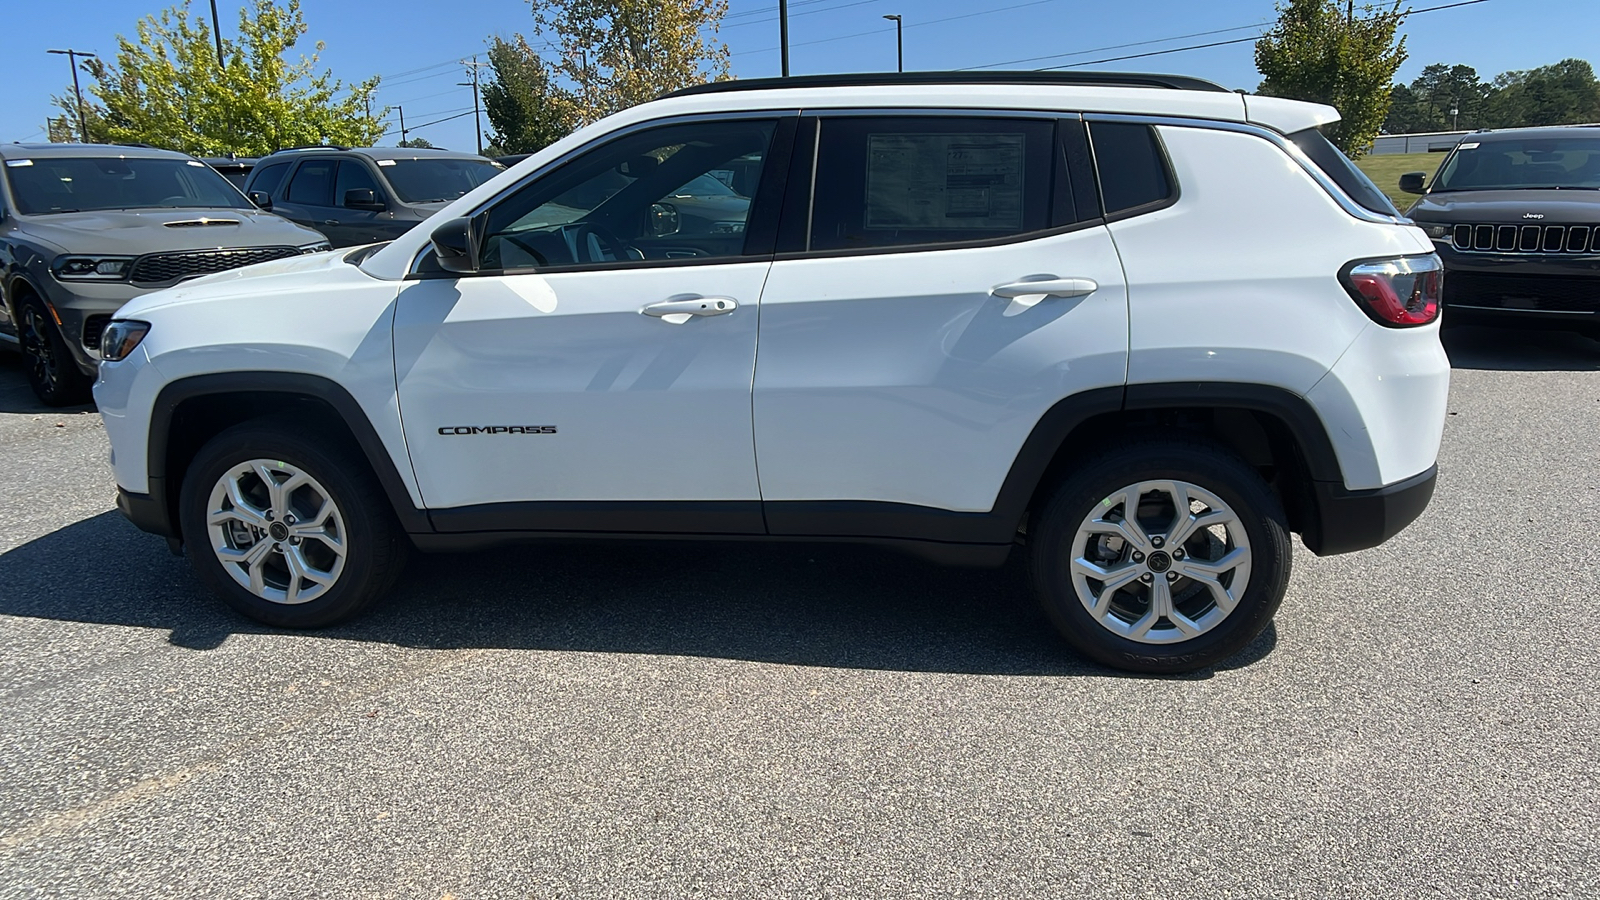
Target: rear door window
[
  {"x": 312, "y": 184},
  {"x": 905, "y": 181}
]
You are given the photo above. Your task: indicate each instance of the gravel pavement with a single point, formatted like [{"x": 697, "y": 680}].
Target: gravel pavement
[{"x": 799, "y": 721}]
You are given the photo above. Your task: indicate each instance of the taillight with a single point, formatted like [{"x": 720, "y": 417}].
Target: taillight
[{"x": 1401, "y": 293}]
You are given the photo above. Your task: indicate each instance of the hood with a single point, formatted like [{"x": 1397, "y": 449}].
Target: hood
[
  {"x": 295, "y": 274},
  {"x": 133, "y": 232},
  {"x": 1575, "y": 207}
]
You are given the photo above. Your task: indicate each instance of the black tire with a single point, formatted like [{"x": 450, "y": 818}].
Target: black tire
[
  {"x": 1055, "y": 529},
  {"x": 53, "y": 373},
  {"x": 376, "y": 547}
]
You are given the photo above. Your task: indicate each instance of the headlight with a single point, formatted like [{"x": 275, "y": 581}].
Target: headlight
[
  {"x": 120, "y": 337},
  {"x": 316, "y": 248},
  {"x": 1437, "y": 232},
  {"x": 91, "y": 268}
]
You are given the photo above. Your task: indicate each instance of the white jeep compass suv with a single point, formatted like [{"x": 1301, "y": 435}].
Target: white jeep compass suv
[{"x": 1139, "y": 326}]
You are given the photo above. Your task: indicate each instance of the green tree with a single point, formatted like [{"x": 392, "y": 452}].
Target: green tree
[
  {"x": 1318, "y": 52},
  {"x": 61, "y": 130},
  {"x": 620, "y": 53},
  {"x": 1566, "y": 93},
  {"x": 166, "y": 88},
  {"x": 527, "y": 110},
  {"x": 416, "y": 144}
]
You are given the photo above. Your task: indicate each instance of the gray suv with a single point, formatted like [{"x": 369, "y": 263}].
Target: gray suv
[
  {"x": 1515, "y": 215},
  {"x": 364, "y": 196},
  {"x": 84, "y": 228}
]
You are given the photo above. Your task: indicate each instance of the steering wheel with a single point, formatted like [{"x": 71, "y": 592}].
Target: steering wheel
[{"x": 590, "y": 241}]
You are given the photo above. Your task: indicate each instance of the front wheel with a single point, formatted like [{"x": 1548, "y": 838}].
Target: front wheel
[
  {"x": 288, "y": 525},
  {"x": 1161, "y": 557},
  {"x": 52, "y": 372}
]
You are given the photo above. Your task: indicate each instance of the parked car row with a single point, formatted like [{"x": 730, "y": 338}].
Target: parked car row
[
  {"x": 1515, "y": 215},
  {"x": 84, "y": 228}
]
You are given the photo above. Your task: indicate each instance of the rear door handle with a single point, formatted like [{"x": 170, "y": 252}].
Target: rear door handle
[
  {"x": 1053, "y": 287},
  {"x": 681, "y": 309}
]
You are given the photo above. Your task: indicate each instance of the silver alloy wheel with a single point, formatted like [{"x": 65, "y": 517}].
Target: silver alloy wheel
[
  {"x": 1160, "y": 562},
  {"x": 276, "y": 531}
]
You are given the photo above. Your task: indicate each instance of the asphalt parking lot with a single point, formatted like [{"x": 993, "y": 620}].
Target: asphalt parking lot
[{"x": 815, "y": 721}]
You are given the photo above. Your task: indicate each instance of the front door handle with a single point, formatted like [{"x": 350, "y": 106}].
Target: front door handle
[
  {"x": 1050, "y": 287},
  {"x": 330, "y": 221},
  {"x": 679, "y": 310}
]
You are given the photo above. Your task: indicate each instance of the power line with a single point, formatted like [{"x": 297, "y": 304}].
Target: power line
[
  {"x": 845, "y": 37},
  {"x": 410, "y": 128},
  {"x": 1111, "y": 59},
  {"x": 796, "y": 15},
  {"x": 1178, "y": 37}
]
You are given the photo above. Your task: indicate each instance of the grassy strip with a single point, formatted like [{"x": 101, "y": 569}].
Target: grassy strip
[{"x": 1385, "y": 172}]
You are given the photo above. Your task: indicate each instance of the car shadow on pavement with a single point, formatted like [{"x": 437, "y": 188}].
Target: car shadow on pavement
[
  {"x": 15, "y": 395},
  {"x": 797, "y": 604},
  {"x": 1520, "y": 350}
]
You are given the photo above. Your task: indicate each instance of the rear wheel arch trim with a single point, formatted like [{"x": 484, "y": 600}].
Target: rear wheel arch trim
[{"x": 174, "y": 394}]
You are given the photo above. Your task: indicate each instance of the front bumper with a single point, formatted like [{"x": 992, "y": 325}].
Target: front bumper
[
  {"x": 83, "y": 310},
  {"x": 148, "y": 511},
  {"x": 1556, "y": 289},
  {"x": 1348, "y": 521}
]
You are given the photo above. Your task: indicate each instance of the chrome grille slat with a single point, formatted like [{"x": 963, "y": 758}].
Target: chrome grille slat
[
  {"x": 160, "y": 268},
  {"x": 1551, "y": 239}
]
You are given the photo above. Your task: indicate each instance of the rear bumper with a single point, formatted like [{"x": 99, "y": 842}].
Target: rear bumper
[{"x": 1348, "y": 521}]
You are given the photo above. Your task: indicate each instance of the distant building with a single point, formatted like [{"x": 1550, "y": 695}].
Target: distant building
[{"x": 1425, "y": 142}]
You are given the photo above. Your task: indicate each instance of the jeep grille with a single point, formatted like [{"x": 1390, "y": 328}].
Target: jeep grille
[
  {"x": 1526, "y": 238},
  {"x": 160, "y": 268}
]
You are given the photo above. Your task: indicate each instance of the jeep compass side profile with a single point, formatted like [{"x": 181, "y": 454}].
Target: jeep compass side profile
[{"x": 961, "y": 315}]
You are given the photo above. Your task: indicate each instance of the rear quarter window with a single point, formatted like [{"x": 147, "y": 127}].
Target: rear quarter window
[
  {"x": 1333, "y": 163},
  {"x": 1134, "y": 174}
]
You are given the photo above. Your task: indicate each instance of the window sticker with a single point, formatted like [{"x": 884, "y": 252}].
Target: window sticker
[
  {"x": 1471, "y": 146},
  {"x": 195, "y": 163},
  {"x": 16, "y": 163},
  {"x": 385, "y": 162},
  {"x": 945, "y": 181}
]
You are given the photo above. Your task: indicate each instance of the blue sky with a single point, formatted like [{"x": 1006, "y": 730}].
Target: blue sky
[{"x": 410, "y": 42}]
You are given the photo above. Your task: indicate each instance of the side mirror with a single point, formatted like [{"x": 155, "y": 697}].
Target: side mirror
[
  {"x": 455, "y": 243},
  {"x": 664, "y": 220},
  {"x": 363, "y": 198},
  {"x": 1414, "y": 182},
  {"x": 261, "y": 199}
]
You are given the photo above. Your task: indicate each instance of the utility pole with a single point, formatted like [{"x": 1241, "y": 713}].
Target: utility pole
[
  {"x": 216, "y": 32},
  {"x": 1352, "y": 12},
  {"x": 72, "y": 60},
  {"x": 783, "y": 33},
  {"x": 899, "y": 43},
  {"x": 402, "y": 111},
  {"x": 477, "y": 124}
]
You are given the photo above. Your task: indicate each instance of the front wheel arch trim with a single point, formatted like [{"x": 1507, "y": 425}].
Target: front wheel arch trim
[{"x": 289, "y": 384}]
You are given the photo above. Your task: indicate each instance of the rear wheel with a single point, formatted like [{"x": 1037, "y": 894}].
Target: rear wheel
[
  {"x": 1161, "y": 557},
  {"x": 52, "y": 372},
  {"x": 288, "y": 526}
]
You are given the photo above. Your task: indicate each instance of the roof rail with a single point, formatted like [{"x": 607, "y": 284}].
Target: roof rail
[
  {"x": 140, "y": 144},
  {"x": 896, "y": 79},
  {"x": 310, "y": 147}
]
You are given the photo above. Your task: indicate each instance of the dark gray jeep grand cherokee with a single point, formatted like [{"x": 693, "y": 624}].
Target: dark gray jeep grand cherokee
[
  {"x": 1515, "y": 216},
  {"x": 84, "y": 228}
]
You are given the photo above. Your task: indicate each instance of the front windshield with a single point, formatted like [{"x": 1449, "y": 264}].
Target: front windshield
[
  {"x": 1523, "y": 164},
  {"x": 81, "y": 183},
  {"x": 435, "y": 180}
]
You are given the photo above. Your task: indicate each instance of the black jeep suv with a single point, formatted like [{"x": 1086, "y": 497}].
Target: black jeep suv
[
  {"x": 364, "y": 196},
  {"x": 1516, "y": 217}
]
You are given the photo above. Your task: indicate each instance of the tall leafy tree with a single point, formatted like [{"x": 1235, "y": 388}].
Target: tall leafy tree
[
  {"x": 620, "y": 53},
  {"x": 1566, "y": 93},
  {"x": 527, "y": 110},
  {"x": 166, "y": 87},
  {"x": 1321, "y": 52}
]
